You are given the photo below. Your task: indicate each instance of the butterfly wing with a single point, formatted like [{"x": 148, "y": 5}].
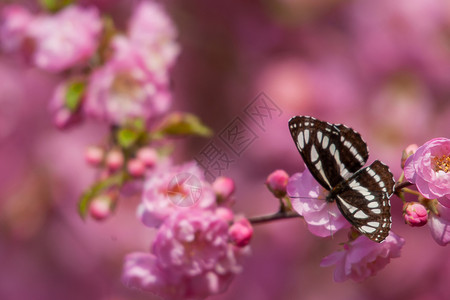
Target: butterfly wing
[
  {"x": 332, "y": 153},
  {"x": 364, "y": 200}
]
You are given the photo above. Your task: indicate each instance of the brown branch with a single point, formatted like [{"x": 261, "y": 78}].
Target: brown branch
[
  {"x": 399, "y": 186},
  {"x": 276, "y": 216}
]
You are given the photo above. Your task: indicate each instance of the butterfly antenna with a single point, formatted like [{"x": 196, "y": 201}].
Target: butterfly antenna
[{"x": 304, "y": 197}]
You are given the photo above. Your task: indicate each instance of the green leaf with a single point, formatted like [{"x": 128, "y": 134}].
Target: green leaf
[
  {"x": 182, "y": 124},
  {"x": 127, "y": 137},
  {"x": 87, "y": 197},
  {"x": 55, "y": 5},
  {"x": 74, "y": 93}
]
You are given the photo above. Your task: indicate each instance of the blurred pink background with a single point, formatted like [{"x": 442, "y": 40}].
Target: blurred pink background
[{"x": 381, "y": 67}]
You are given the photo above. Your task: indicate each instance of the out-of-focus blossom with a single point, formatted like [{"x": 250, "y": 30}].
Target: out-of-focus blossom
[
  {"x": 114, "y": 159},
  {"x": 124, "y": 89},
  {"x": 16, "y": 20},
  {"x": 65, "y": 39},
  {"x": 277, "y": 182},
  {"x": 153, "y": 34},
  {"x": 148, "y": 156},
  {"x": 224, "y": 213},
  {"x": 191, "y": 257},
  {"x": 224, "y": 189},
  {"x": 415, "y": 214},
  {"x": 193, "y": 241},
  {"x": 407, "y": 152},
  {"x": 142, "y": 271},
  {"x": 156, "y": 203},
  {"x": 100, "y": 207},
  {"x": 94, "y": 155},
  {"x": 136, "y": 167},
  {"x": 308, "y": 200},
  {"x": 429, "y": 169},
  {"x": 440, "y": 225},
  {"x": 363, "y": 258},
  {"x": 241, "y": 232},
  {"x": 63, "y": 116}
]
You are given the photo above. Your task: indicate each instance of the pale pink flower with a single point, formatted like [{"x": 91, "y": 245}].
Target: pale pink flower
[
  {"x": 277, "y": 182},
  {"x": 66, "y": 38},
  {"x": 440, "y": 225},
  {"x": 363, "y": 258},
  {"x": 191, "y": 257},
  {"x": 124, "y": 88},
  {"x": 429, "y": 169},
  {"x": 308, "y": 200},
  {"x": 16, "y": 20},
  {"x": 153, "y": 34},
  {"x": 157, "y": 203},
  {"x": 142, "y": 271},
  {"x": 415, "y": 214},
  {"x": 193, "y": 241}
]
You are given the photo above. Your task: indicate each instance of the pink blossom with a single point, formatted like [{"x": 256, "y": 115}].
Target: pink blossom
[
  {"x": 114, "y": 159},
  {"x": 193, "y": 241},
  {"x": 440, "y": 225},
  {"x": 94, "y": 155},
  {"x": 124, "y": 88},
  {"x": 224, "y": 188},
  {"x": 277, "y": 182},
  {"x": 148, "y": 156},
  {"x": 156, "y": 204},
  {"x": 191, "y": 257},
  {"x": 136, "y": 167},
  {"x": 415, "y": 214},
  {"x": 153, "y": 33},
  {"x": 142, "y": 271},
  {"x": 429, "y": 169},
  {"x": 363, "y": 258},
  {"x": 407, "y": 152},
  {"x": 66, "y": 38},
  {"x": 308, "y": 200},
  {"x": 100, "y": 207},
  {"x": 16, "y": 20},
  {"x": 241, "y": 232}
]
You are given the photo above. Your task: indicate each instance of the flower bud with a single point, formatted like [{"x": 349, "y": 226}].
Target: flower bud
[
  {"x": 241, "y": 232},
  {"x": 224, "y": 189},
  {"x": 415, "y": 214},
  {"x": 407, "y": 152},
  {"x": 136, "y": 167},
  {"x": 277, "y": 182},
  {"x": 225, "y": 213},
  {"x": 100, "y": 207},
  {"x": 94, "y": 155},
  {"x": 148, "y": 156},
  {"x": 114, "y": 160}
]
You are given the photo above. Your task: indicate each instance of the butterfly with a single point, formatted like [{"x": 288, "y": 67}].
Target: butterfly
[{"x": 335, "y": 155}]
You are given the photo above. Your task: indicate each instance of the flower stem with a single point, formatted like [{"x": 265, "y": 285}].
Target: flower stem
[
  {"x": 276, "y": 216},
  {"x": 401, "y": 185}
]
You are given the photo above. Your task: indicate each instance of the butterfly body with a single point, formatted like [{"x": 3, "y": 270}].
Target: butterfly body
[{"x": 335, "y": 155}]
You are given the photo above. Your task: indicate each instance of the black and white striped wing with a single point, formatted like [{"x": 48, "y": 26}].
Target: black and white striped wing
[
  {"x": 364, "y": 200},
  {"x": 332, "y": 153}
]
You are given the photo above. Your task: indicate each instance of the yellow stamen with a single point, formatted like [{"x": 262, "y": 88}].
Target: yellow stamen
[{"x": 441, "y": 163}]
